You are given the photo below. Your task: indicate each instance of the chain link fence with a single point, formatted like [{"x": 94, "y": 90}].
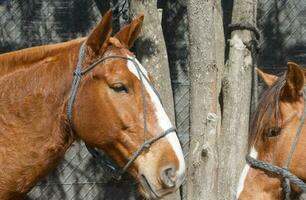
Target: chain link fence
[
  {"x": 32, "y": 23},
  {"x": 282, "y": 24}
]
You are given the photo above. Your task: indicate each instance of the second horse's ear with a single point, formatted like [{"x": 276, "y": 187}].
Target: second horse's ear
[
  {"x": 128, "y": 34},
  {"x": 98, "y": 38},
  {"x": 269, "y": 79},
  {"x": 294, "y": 85}
]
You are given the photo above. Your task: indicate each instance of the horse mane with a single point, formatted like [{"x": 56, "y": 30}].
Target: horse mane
[
  {"x": 267, "y": 109},
  {"x": 14, "y": 60}
]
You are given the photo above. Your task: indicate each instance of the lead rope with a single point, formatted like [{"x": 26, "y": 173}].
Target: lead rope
[
  {"x": 277, "y": 170},
  {"x": 117, "y": 173}
]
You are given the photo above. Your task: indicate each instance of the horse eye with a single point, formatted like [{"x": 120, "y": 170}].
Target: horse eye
[
  {"x": 119, "y": 88},
  {"x": 273, "y": 132}
]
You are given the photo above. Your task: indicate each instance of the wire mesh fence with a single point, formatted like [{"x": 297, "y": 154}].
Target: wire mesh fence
[
  {"x": 283, "y": 29},
  {"x": 32, "y": 23}
]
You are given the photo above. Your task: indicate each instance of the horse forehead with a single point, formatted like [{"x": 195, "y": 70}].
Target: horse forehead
[
  {"x": 136, "y": 67},
  {"x": 119, "y": 64},
  {"x": 296, "y": 106},
  {"x": 113, "y": 50},
  {"x": 115, "y": 66}
]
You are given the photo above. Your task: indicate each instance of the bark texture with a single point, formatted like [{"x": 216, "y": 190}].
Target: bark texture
[
  {"x": 236, "y": 87},
  {"x": 206, "y": 55},
  {"x": 151, "y": 50}
]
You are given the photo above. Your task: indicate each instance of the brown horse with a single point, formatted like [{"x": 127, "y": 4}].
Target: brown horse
[
  {"x": 273, "y": 129},
  {"x": 108, "y": 113}
]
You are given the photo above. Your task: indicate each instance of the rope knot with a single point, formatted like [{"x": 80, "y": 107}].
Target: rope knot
[
  {"x": 146, "y": 145},
  {"x": 78, "y": 72}
]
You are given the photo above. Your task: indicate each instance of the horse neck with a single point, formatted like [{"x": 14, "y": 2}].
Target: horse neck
[
  {"x": 33, "y": 101},
  {"x": 26, "y": 58},
  {"x": 34, "y": 132}
]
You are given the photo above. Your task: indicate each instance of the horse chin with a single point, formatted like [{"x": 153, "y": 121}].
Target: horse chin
[{"x": 147, "y": 190}]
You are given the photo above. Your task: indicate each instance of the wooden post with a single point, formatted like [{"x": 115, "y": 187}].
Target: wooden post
[
  {"x": 236, "y": 87},
  {"x": 206, "y": 63}
]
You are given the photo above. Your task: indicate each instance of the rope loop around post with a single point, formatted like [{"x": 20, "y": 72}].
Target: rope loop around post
[{"x": 244, "y": 26}]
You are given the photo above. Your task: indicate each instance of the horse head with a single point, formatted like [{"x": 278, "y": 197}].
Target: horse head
[
  {"x": 273, "y": 129},
  {"x": 116, "y": 109}
]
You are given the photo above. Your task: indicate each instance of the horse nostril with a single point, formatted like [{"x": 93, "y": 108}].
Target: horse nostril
[{"x": 168, "y": 177}]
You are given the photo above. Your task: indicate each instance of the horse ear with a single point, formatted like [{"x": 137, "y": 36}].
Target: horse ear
[
  {"x": 128, "y": 34},
  {"x": 269, "y": 79},
  {"x": 294, "y": 82},
  {"x": 98, "y": 38}
]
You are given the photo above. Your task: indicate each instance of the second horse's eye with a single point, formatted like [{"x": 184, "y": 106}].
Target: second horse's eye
[
  {"x": 273, "y": 132},
  {"x": 119, "y": 88}
]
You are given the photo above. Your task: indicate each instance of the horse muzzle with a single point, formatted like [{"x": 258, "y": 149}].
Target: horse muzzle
[{"x": 168, "y": 181}]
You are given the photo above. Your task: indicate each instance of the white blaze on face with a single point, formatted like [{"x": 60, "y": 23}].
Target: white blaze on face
[
  {"x": 253, "y": 154},
  {"x": 162, "y": 118}
]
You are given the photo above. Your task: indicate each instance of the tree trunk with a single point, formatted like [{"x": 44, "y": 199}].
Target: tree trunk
[
  {"x": 236, "y": 89},
  {"x": 151, "y": 50},
  {"x": 205, "y": 36}
]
